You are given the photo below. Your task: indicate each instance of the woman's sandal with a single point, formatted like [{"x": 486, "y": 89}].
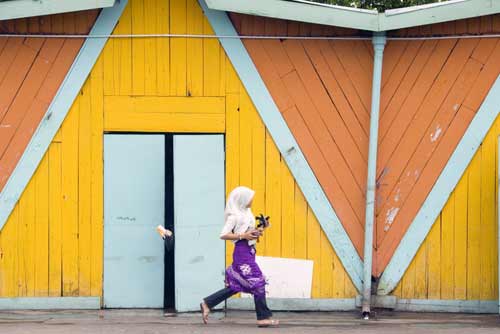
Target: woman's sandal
[
  {"x": 204, "y": 315},
  {"x": 271, "y": 323}
]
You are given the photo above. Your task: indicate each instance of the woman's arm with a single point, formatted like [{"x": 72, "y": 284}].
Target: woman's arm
[{"x": 249, "y": 235}]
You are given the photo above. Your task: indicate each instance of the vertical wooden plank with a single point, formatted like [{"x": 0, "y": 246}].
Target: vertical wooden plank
[
  {"x": 340, "y": 282},
  {"x": 194, "y": 47},
  {"x": 138, "y": 48},
  {"x": 10, "y": 261},
  {"x": 460, "y": 238},
  {"x": 163, "y": 47},
  {"x": 447, "y": 249},
  {"x": 421, "y": 273},
  {"x": 287, "y": 214},
  {"x": 473, "y": 228},
  {"x": 326, "y": 269},
  {"x": 300, "y": 213},
  {"x": 258, "y": 167},
  {"x": 150, "y": 47},
  {"x": 245, "y": 131},
  {"x": 232, "y": 154},
  {"x": 434, "y": 261},
  {"x": 42, "y": 229},
  {"x": 84, "y": 194},
  {"x": 70, "y": 202},
  {"x": 178, "y": 57},
  {"x": 55, "y": 219},
  {"x": 487, "y": 244},
  {"x": 314, "y": 252},
  {"x": 409, "y": 281},
  {"x": 273, "y": 197},
  {"x": 212, "y": 60},
  {"x": 108, "y": 55},
  {"x": 96, "y": 181},
  {"x": 26, "y": 242},
  {"x": 222, "y": 72},
  {"x": 232, "y": 79},
  {"x": 123, "y": 60}
]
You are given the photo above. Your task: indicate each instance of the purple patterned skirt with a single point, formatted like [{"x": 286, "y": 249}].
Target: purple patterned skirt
[{"x": 244, "y": 274}]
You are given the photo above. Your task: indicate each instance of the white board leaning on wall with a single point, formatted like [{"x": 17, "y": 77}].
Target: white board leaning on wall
[{"x": 287, "y": 278}]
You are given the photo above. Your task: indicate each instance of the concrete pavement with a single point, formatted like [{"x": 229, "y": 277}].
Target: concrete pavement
[{"x": 153, "y": 321}]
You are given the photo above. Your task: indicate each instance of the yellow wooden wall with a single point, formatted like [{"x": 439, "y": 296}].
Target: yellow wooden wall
[
  {"x": 458, "y": 259},
  {"x": 52, "y": 245}
]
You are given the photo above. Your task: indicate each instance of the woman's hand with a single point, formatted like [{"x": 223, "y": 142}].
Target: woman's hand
[{"x": 249, "y": 235}]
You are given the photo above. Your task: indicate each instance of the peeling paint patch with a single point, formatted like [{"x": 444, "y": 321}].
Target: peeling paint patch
[
  {"x": 435, "y": 135},
  {"x": 456, "y": 106},
  {"x": 398, "y": 195},
  {"x": 389, "y": 217}
]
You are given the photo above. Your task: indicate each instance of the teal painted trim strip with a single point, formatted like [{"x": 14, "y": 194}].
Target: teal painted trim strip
[
  {"x": 58, "y": 109},
  {"x": 295, "y": 304},
  {"x": 28, "y": 8},
  {"x": 347, "y": 17},
  {"x": 446, "y": 183},
  {"x": 50, "y": 303},
  {"x": 445, "y": 306},
  {"x": 287, "y": 145}
]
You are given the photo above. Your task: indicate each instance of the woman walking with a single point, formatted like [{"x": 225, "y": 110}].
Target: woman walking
[{"x": 244, "y": 275}]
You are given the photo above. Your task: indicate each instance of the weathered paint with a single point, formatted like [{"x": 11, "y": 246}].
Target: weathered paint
[
  {"x": 251, "y": 159},
  {"x": 458, "y": 259},
  {"x": 423, "y": 120}
]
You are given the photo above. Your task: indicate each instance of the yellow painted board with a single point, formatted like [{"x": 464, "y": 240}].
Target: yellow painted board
[
  {"x": 314, "y": 252},
  {"x": 258, "y": 168},
  {"x": 232, "y": 79},
  {"x": 25, "y": 242},
  {"x": 194, "y": 47},
  {"x": 447, "y": 249},
  {"x": 84, "y": 194},
  {"x": 69, "y": 154},
  {"x": 341, "y": 285},
  {"x": 42, "y": 229},
  {"x": 421, "y": 273},
  {"x": 473, "y": 229},
  {"x": 96, "y": 184},
  {"x": 273, "y": 198},
  {"x": 300, "y": 213},
  {"x": 10, "y": 261},
  {"x": 178, "y": 48},
  {"x": 212, "y": 60},
  {"x": 163, "y": 48},
  {"x": 349, "y": 289},
  {"x": 150, "y": 47},
  {"x": 326, "y": 270},
  {"x": 408, "y": 287},
  {"x": 138, "y": 48},
  {"x": 287, "y": 213},
  {"x": 232, "y": 156},
  {"x": 55, "y": 218},
  {"x": 123, "y": 64},
  {"x": 487, "y": 245},
  {"x": 171, "y": 105},
  {"x": 163, "y": 122},
  {"x": 245, "y": 130},
  {"x": 460, "y": 239},
  {"x": 222, "y": 71},
  {"x": 434, "y": 261},
  {"x": 108, "y": 56}
]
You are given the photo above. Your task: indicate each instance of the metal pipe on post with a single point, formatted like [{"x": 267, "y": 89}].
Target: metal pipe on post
[{"x": 378, "y": 42}]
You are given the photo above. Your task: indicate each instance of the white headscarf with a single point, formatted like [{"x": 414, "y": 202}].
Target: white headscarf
[{"x": 237, "y": 204}]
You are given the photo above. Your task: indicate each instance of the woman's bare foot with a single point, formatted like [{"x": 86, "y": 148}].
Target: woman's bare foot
[
  {"x": 163, "y": 232},
  {"x": 268, "y": 323},
  {"x": 205, "y": 310}
]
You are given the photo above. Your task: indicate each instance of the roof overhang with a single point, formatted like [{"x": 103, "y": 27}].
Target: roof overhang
[
  {"x": 13, "y": 9},
  {"x": 305, "y": 11}
]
